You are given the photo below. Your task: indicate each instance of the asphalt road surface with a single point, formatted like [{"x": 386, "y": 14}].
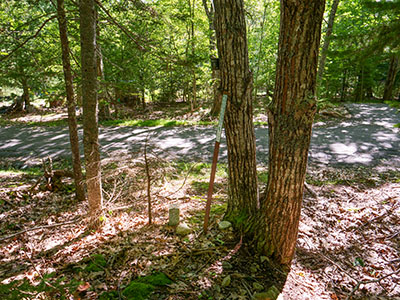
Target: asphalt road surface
[{"x": 369, "y": 138}]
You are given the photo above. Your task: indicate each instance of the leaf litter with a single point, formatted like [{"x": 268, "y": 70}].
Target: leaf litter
[{"x": 348, "y": 245}]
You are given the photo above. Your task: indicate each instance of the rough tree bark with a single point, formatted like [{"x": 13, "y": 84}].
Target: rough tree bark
[
  {"x": 90, "y": 108},
  {"x": 290, "y": 119},
  {"x": 327, "y": 40},
  {"x": 71, "y": 104},
  {"x": 236, "y": 81},
  {"x": 394, "y": 67}
]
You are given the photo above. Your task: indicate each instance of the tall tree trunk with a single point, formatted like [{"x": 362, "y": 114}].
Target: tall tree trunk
[
  {"x": 237, "y": 82},
  {"x": 359, "y": 93},
  {"x": 25, "y": 96},
  {"x": 259, "y": 50},
  {"x": 19, "y": 104},
  {"x": 391, "y": 77},
  {"x": 194, "y": 83},
  {"x": 90, "y": 108},
  {"x": 343, "y": 88},
  {"x": 104, "y": 103},
  {"x": 215, "y": 72},
  {"x": 327, "y": 40},
  {"x": 71, "y": 105},
  {"x": 290, "y": 119}
]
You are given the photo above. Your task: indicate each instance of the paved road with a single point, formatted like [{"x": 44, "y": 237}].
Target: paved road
[{"x": 368, "y": 138}]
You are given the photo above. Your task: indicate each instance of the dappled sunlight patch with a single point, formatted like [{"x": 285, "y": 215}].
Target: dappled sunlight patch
[
  {"x": 348, "y": 235},
  {"x": 350, "y": 229}
]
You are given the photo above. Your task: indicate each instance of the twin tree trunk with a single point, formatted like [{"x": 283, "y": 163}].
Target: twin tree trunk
[
  {"x": 236, "y": 81},
  {"x": 272, "y": 224},
  {"x": 72, "y": 123},
  {"x": 290, "y": 119},
  {"x": 90, "y": 107}
]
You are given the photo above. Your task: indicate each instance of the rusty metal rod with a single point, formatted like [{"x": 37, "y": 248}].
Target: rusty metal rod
[{"x": 214, "y": 162}]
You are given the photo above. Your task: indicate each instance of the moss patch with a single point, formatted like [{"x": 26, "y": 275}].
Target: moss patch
[
  {"x": 139, "y": 289},
  {"x": 97, "y": 263},
  {"x": 157, "y": 279}
]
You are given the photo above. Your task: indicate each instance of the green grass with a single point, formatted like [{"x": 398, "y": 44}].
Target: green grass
[
  {"x": 139, "y": 289},
  {"x": 34, "y": 171},
  {"x": 109, "y": 123},
  {"x": 260, "y": 123},
  {"x": 153, "y": 123},
  {"x": 55, "y": 123},
  {"x": 199, "y": 170},
  {"x": 63, "y": 122},
  {"x": 263, "y": 177}
]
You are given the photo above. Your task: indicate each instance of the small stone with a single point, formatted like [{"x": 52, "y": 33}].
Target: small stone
[
  {"x": 258, "y": 287},
  {"x": 226, "y": 281},
  {"x": 223, "y": 225},
  {"x": 173, "y": 215},
  {"x": 226, "y": 265},
  {"x": 183, "y": 229}
]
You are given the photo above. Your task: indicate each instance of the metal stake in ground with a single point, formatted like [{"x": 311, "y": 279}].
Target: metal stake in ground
[{"x": 214, "y": 162}]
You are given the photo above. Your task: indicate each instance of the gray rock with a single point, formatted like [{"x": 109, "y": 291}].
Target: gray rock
[
  {"x": 226, "y": 281},
  {"x": 224, "y": 225},
  {"x": 173, "y": 215},
  {"x": 183, "y": 229}
]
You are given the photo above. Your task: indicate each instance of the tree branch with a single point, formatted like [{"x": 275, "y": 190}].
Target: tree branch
[
  {"x": 378, "y": 280},
  {"x": 29, "y": 38},
  {"x": 125, "y": 30},
  {"x": 38, "y": 227}
]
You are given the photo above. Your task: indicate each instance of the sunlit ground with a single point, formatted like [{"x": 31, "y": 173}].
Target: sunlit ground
[{"x": 348, "y": 235}]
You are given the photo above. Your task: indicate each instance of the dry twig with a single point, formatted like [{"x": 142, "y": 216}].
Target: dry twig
[
  {"x": 364, "y": 282},
  {"x": 39, "y": 227}
]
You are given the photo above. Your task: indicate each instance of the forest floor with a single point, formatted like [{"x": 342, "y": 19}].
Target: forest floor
[{"x": 348, "y": 245}]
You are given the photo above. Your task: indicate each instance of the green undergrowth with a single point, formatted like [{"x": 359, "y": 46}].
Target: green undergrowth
[
  {"x": 217, "y": 210},
  {"x": 260, "y": 123},
  {"x": 109, "y": 123},
  {"x": 97, "y": 263},
  {"x": 49, "y": 287},
  {"x": 354, "y": 177},
  {"x": 53, "y": 286},
  {"x": 55, "y": 123},
  {"x": 140, "y": 288},
  {"x": 262, "y": 177},
  {"x": 201, "y": 170},
  {"x": 12, "y": 171},
  {"x": 153, "y": 123},
  {"x": 391, "y": 103}
]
